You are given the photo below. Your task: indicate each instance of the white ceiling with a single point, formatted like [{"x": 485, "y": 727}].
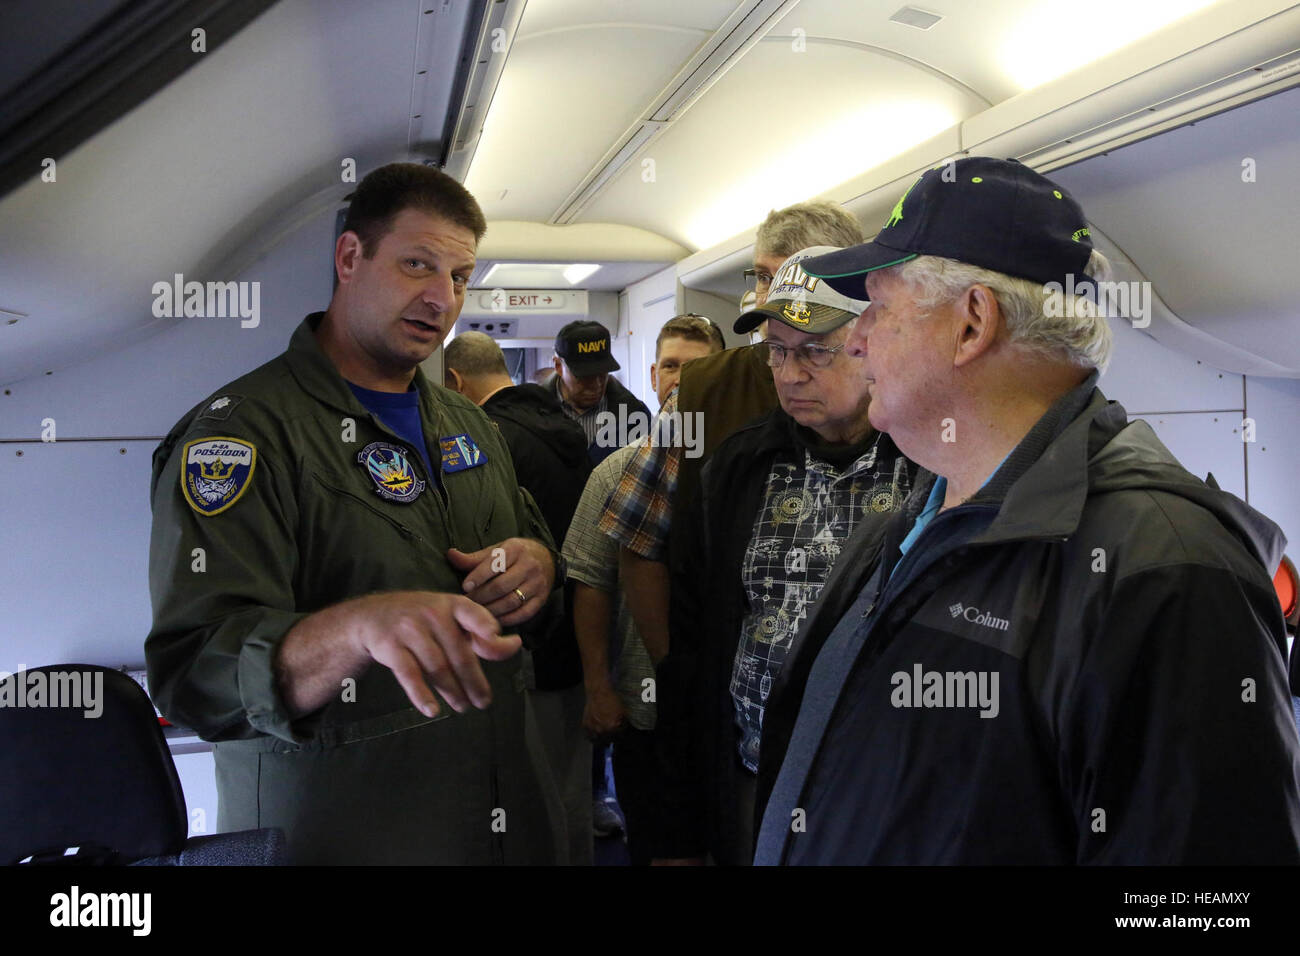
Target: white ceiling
[
  {"x": 751, "y": 145},
  {"x": 211, "y": 170},
  {"x": 574, "y": 82},
  {"x": 833, "y": 89}
]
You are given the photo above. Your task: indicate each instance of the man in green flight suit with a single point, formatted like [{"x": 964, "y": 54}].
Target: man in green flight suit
[{"x": 337, "y": 545}]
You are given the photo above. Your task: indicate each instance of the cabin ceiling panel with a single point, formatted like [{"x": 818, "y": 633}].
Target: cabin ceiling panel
[
  {"x": 567, "y": 96},
  {"x": 1208, "y": 212},
  {"x": 754, "y": 142}
]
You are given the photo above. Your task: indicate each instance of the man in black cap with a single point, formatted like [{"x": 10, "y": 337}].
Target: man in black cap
[
  {"x": 583, "y": 361},
  {"x": 598, "y": 403},
  {"x": 1065, "y": 648}
]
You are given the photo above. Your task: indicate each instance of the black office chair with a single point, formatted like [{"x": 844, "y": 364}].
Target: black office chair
[{"x": 99, "y": 790}]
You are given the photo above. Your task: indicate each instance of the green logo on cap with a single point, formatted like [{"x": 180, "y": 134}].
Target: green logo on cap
[{"x": 897, "y": 214}]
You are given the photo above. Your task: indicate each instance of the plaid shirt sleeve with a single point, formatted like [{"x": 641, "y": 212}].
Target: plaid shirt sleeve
[{"x": 638, "y": 514}]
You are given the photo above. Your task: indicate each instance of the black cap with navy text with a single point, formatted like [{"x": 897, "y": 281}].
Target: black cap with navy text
[
  {"x": 585, "y": 348},
  {"x": 994, "y": 213}
]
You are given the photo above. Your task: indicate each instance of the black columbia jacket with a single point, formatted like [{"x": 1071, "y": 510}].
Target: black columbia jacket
[{"x": 1141, "y": 713}]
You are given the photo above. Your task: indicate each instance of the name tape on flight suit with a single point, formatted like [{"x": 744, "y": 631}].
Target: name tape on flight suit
[
  {"x": 215, "y": 472},
  {"x": 459, "y": 452}
]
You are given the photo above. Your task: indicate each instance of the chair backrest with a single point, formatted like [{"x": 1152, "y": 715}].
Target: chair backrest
[{"x": 84, "y": 764}]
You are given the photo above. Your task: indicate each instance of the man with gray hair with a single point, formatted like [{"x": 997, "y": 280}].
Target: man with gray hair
[
  {"x": 778, "y": 500},
  {"x": 729, "y": 389},
  {"x": 1065, "y": 648}
]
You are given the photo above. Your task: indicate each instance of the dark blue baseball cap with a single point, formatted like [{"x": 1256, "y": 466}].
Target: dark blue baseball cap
[{"x": 994, "y": 213}]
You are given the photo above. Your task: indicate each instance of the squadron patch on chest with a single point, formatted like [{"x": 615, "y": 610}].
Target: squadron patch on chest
[
  {"x": 459, "y": 452},
  {"x": 215, "y": 472},
  {"x": 390, "y": 468}
]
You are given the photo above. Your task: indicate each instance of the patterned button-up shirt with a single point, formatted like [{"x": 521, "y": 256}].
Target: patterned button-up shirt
[{"x": 809, "y": 508}]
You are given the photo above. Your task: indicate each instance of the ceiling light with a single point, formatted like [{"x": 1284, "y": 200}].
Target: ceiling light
[
  {"x": 535, "y": 275},
  {"x": 577, "y": 272},
  {"x": 859, "y": 146},
  {"x": 1051, "y": 39}
]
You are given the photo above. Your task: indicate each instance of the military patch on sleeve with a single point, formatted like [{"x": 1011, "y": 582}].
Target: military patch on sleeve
[
  {"x": 459, "y": 452},
  {"x": 221, "y": 407},
  {"x": 215, "y": 472}
]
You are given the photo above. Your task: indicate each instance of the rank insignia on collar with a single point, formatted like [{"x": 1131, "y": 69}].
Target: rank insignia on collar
[
  {"x": 215, "y": 472},
  {"x": 459, "y": 452},
  {"x": 221, "y": 407},
  {"x": 390, "y": 468}
]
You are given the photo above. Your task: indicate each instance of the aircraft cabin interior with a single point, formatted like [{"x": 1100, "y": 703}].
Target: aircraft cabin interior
[{"x": 623, "y": 153}]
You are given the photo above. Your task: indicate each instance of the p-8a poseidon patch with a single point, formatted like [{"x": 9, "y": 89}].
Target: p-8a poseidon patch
[{"x": 215, "y": 472}]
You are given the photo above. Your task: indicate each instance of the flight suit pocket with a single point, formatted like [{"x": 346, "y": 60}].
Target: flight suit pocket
[{"x": 332, "y": 489}]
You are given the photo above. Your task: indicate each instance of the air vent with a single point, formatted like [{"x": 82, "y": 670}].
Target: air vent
[{"x": 912, "y": 17}]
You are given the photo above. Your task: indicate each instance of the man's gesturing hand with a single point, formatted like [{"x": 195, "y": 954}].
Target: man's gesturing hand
[
  {"x": 498, "y": 575},
  {"x": 419, "y": 633}
]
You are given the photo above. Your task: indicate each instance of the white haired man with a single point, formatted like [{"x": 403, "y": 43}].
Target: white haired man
[{"x": 1066, "y": 648}]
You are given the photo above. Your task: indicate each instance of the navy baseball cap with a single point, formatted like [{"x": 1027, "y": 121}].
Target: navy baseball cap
[
  {"x": 801, "y": 302},
  {"x": 994, "y": 213},
  {"x": 584, "y": 346}
]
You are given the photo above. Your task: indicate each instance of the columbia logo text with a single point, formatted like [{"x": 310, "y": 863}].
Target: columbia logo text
[{"x": 976, "y": 616}]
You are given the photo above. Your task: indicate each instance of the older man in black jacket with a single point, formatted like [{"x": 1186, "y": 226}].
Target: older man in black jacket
[{"x": 1066, "y": 649}]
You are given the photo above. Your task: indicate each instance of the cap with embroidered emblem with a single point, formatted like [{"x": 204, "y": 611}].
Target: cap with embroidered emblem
[
  {"x": 997, "y": 214},
  {"x": 801, "y": 301},
  {"x": 585, "y": 348}
]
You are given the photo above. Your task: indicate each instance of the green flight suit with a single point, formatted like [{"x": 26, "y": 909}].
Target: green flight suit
[{"x": 368, "y": 778}]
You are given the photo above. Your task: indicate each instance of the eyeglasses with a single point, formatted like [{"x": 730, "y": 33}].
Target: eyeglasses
[
  {"x": 758, "y": 280},
  {"x": 811, "y": 355}
]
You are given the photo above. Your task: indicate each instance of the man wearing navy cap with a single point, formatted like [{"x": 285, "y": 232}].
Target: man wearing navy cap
[
  {"x": 1065, "y": 648},
  {"x": 583, "y": 361}
]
